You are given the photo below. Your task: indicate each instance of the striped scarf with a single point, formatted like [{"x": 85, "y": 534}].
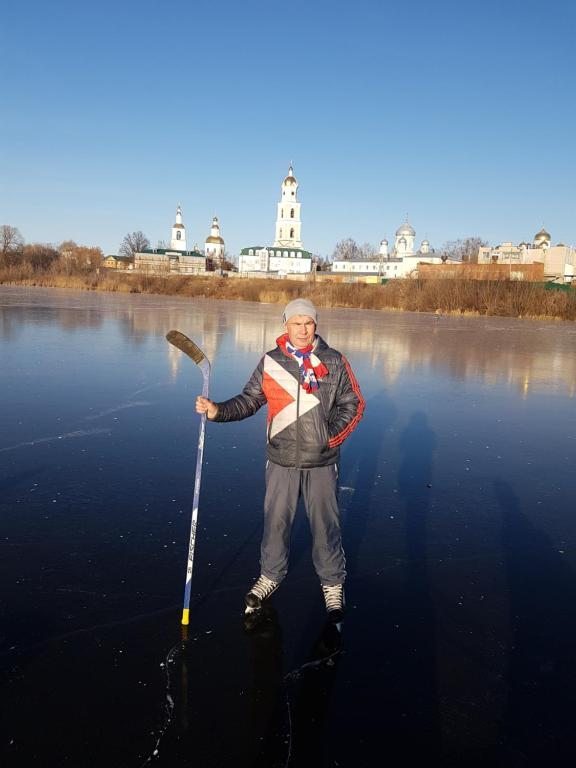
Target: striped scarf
[{"x": 311, "y": 367}]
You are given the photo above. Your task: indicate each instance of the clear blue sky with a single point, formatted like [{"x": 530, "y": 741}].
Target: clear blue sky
[{"x": 460, "y": 114}]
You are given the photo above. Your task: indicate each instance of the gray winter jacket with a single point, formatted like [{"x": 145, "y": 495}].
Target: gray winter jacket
[{"x": 303, "y": 429}]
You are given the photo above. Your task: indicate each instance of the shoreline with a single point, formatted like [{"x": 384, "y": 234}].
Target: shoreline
[{"x": 523, "y": 300}]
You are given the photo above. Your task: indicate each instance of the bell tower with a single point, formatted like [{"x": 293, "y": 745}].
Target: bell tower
[
  {"x": 288, "y": 224},
  {"x": 178, "y": 239}
]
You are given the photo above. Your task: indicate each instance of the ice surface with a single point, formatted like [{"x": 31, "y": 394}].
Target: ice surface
[{"x": 457, "y": 501}]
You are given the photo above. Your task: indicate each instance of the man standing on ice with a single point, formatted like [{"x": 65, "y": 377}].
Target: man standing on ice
[{"x": 314, "y": 404}]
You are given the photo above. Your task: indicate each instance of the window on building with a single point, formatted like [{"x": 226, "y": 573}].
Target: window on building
[
  {"x": 178, "y": 235},
  {"x": 280, "y": 233},
  {"x": 292, "y": 213},
  {"x": 282, "y": 213},
  {"x": 251, "y": 252},
  {"x": 291, "y": 233}
]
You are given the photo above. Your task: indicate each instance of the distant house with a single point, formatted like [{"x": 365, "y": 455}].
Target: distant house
[
  {"x": 117, "y": 262},
  {"x": 162, "y": 261}
]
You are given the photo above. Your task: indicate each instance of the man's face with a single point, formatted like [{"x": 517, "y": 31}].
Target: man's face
[{"x": 301, "y": 330}]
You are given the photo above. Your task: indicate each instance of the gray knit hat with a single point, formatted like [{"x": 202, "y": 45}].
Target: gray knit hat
[{"x": 300, "y": 307}]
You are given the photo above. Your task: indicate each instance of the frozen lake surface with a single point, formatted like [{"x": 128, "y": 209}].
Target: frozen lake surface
[{"x": 457, "y": 493}]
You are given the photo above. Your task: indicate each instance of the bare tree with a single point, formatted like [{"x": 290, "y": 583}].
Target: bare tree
[
  {"x": 346, "y": 250},
  {"x": 368, "y": 251},
  {"x": 74, "y": 257},
  {"x": 320, "y": 263},
  {"x": 349, "y": 250},
  {"x": 133, "y": 242},
  {"x": 471, "y": 248},
  {"x": 10, "y": 239},
  {"x": 67, "y": 248},
  {"x": 40, "y": 256},
  {"x": 464, "y": 250},
  {"x": 227, "y": 262}
]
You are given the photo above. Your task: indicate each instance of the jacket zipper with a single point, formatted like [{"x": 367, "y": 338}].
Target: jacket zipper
[{"x": 298, "y": 420}]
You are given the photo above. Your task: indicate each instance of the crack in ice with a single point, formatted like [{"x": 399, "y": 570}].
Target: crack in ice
[{"x": 66, "y": 436}]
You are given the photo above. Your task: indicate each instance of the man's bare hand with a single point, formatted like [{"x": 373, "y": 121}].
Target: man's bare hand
[{"x": 204, "y": 405}]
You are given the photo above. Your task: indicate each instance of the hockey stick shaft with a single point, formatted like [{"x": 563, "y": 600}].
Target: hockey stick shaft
[{"x": 187, "y": 346}]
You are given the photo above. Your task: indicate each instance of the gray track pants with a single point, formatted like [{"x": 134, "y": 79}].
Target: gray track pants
[{"x": 318, "y": 487}]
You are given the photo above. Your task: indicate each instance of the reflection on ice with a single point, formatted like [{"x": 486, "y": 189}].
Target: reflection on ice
[{"x": 529, "y": 356}]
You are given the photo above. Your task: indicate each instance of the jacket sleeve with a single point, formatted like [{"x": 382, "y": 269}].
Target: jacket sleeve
[
  {"x": 348, "y": 406},
  {"x": 251, "y": 399}
]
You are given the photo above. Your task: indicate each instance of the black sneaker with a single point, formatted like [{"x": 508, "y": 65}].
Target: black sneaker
[
  {"x": 261, "y": 591},
  {"x": 334, "y": 599}
]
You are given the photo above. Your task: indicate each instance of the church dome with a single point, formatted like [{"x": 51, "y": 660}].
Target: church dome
[
  {"x": 406, "y": 229},
  {"x": 290, "y": 179},
  {"x": 215, "y": 239},
  {"x": 542, "y": 236}
]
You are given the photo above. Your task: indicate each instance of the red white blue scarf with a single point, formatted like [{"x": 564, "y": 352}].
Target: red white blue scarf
[{"x": 311, "y": 367}]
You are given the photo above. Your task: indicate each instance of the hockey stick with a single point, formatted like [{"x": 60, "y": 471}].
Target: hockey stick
[{"x": 186, "y": 345}]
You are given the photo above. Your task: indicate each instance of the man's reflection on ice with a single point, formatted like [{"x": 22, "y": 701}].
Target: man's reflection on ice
[{"x": 288, "y": 711}]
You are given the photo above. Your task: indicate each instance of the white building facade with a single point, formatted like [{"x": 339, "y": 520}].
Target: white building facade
[
  {"x": 559, "y": 260},
  {"x": 401, "y": 262},
  {"x": 278, "y": 260},
  {"x": 175, "y": 260}
]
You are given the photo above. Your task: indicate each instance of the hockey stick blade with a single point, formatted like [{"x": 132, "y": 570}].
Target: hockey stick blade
[{"x": 186, "y": 345}]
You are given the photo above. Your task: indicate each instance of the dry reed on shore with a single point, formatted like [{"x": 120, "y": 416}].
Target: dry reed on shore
[{"x": 503, "y": 298}]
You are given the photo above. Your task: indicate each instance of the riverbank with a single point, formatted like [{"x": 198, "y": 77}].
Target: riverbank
[{"x": 502, "y": 298}]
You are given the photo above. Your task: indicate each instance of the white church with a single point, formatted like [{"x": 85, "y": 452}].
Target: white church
[
  {"x": 401, "y": 261},
  {"x": 177, "y": 259},
  {"x": 286, "y": 256},
  {"x": 214, "y": 246}
]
